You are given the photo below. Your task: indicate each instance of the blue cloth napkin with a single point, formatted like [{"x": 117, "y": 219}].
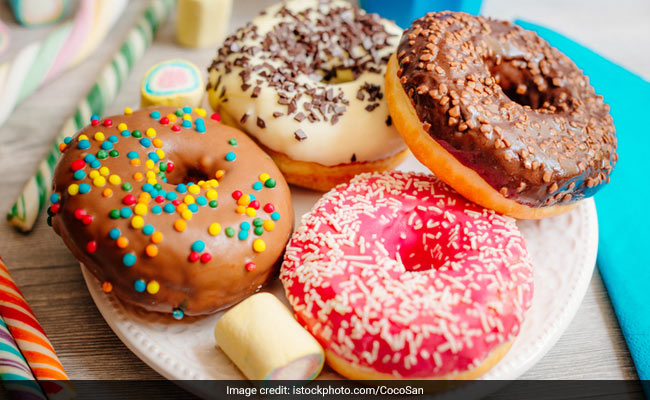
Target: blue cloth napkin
[
  {"x": 405, "y": 12},
  {"x": 623, "y": 253}
]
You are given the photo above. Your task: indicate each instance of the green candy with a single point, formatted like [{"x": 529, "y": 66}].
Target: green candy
[
  {"x": 162, "y": 166},
  {"x": 214, "y": 204},
  {"x": 102, "y": 154},
  {"x": 259, "y": 230},
  {"x": 136, "y": 134},
  {"x": 270, "y": 183},
  {"x": 114, "y": 214},
  {"x": 258, "y": 222},
  {"x": 230, "y": 232},
  {"x": 232, "y": 142},
  {"x": 127, "y": 187},
  {"x": 114, "y": 153}
]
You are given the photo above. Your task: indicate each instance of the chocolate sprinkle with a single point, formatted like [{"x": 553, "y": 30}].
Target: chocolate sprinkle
[{"x": 300, "y": 135}]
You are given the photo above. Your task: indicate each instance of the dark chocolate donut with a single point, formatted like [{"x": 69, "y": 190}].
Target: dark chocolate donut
[
  {"x": 173, "y": 211},
  {"x": 509, "y": 106}
]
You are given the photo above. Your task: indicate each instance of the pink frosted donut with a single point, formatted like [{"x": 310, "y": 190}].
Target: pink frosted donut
[{"x": 399, "y": 277}]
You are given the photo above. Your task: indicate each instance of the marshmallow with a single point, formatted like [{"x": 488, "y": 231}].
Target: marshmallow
[
  {"x": 202, "y": 23},
  {"x": 261, "y": 336}
]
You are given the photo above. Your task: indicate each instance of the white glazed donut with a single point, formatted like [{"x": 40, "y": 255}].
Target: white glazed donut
[{"x": 306, "y": 79}]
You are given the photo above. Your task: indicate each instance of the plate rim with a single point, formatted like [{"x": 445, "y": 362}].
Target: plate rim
[{"x": 109, "y": 307}]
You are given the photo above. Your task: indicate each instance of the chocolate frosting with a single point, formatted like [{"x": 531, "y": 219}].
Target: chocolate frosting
[
  {"x": 197, "y": 152},
  {"x": 509, "y": 106}
]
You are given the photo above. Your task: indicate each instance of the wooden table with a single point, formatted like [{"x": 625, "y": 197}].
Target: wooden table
[{"x": 49, "y": 276}]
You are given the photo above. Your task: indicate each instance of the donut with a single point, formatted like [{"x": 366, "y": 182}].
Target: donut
[
  {"x": 305, "y": 79},
  {"x": 399, "y": 277},
  {"x": 505, "y": 119},
  {"x": 171, "y": 210}
]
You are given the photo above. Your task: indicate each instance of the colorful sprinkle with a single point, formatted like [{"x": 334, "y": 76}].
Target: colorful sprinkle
[
  {"x": 214, "y": 229},
  {"x": 140, "y": 285},
  {"x": 151, "y": 250},
  {"x": 148, "y": 229},
  {"x": 137, "y": 222},
  {"x": 73, "y": 189},
  {"x": 114, "y": 233},
  {"x": 153, "y": 287},
  {"x": 107, "y": 287},
  {"x": 84, "y": 188},
  {"x": 250, "y": 266},
  {"x": 275, "y": 216},
  {"x": 156, "y": 237},
  {"x": 269, "y": 225},
  {"x": 91, "y": 247},
  {"x": 259, "y": 245},
  {"x": 198, "y": 246},
  {"x": 177, "y": 314},
  {"x": 129, "y": 259},
  {"x": 180, "y": 225},
  {"x": 126, "y": 212},
  {"x": 230, "y": 156}
]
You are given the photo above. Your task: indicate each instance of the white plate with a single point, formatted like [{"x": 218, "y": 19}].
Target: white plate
[{"x": 563, "y": 249}]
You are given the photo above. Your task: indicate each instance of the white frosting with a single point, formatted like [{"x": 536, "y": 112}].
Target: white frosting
[{"x": 364, "y": 134}]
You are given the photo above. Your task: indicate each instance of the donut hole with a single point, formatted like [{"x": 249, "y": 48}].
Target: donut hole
[
  {"x": 520, "y": 86},
  {"x": 412, "y": 240},
  {"x": 186, "y": 174},
  {"x": 415, "y": 258}
]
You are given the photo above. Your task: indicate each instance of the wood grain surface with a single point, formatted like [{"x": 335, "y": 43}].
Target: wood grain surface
[{"x": 50, "y": 278}]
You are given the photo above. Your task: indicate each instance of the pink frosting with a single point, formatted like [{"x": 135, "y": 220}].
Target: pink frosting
[{"x": 398, "y": 273}]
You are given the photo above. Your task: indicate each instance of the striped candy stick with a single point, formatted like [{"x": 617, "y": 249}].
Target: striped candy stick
[
  {"x": 32, "y": 340},
  {"x": 33, "y": 198},
  {"x": 65, "y": 47},
  {"x": 4, "y": 37},
  {"x": 15, "y": 374}
]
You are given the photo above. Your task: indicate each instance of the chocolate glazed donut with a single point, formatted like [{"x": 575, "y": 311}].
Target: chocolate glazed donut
[
  {"x": 171, "y": 210},
  {"x": 507, "y": 105}
]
